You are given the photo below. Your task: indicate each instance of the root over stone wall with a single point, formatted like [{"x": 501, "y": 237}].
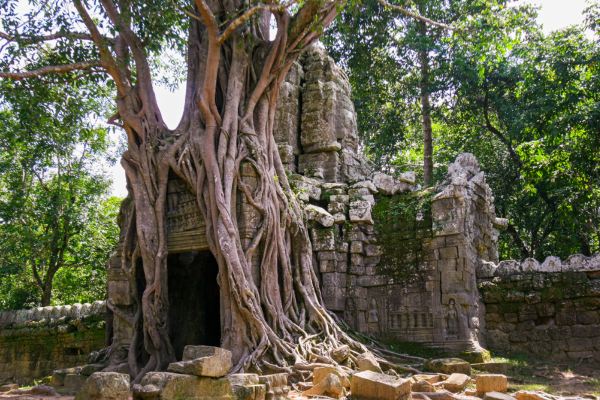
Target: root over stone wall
[{"x": 35, "y": 342}]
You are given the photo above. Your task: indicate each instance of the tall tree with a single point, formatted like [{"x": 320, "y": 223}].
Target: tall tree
[
  {"x": 50, "y": 183},
  {"x": 400, "y": 68}
]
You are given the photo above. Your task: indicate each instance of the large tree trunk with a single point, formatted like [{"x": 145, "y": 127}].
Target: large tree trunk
[{"x": 425, "y": 104}]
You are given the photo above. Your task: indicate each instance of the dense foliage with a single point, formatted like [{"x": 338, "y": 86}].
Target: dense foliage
[
  {"x": 525, "y": 103},
  {"x": 58, "y": 224}
]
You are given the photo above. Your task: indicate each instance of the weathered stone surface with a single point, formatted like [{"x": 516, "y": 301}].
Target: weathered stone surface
[
  {"x": 497, "y": 396},
  {"x": 340, "y": 354},
  {"x": 372, "y": 385},
  {"x": 91, "y": 368},
  {"x": 172, "y": 386},
  {"x": 320, "y": 373},
  {"x": 329, "y": 385},
  {"x": 39, "y": 390},
  {"x": 314, "y": 213},
  {"x": 457, "y": 382},
  {"x": 203, "y": 361},
  {"x": 384, "y": 183},
  {"x": 9, "y": 387},
  {"x": 105, "y": 386},
  {"x": 428, "y": 378},
  {"x": 367, "y": 362},
  {"x": 448, "y": 366},
  {"x": 531, "y": 395},
  {"x": 275, "y": 384},
  {"x": 491, "y": 383},
  {"x": 423, "y": 386}
]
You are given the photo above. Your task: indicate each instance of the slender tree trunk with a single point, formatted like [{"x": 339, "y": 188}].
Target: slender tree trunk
[
  {"x": 425, "y": 105},
  {"x": 46, "y": 295}
]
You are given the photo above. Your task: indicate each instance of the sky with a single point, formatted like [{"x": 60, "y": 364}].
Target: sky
[{"x": 554, "y": 15}]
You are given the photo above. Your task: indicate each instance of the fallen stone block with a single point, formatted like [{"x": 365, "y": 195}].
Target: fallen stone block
[
  {"x": 448, "y": 366},
  {"x": 171, "y": 386},
  {"x": 340, "y": 354},
  {"x": 457, "y": 382},
  {"x": 91, "y": 368},
  {"x": 105, "y": 386},
  {"x": 9, "y": 387},
  {"x": 530, "y": 395},
  {"x": 40, "y": 390},
  {"x": 497, "y": 396},
  {"x": 329, "y": 386},
  {"x": 428, "y": 378},
  {"x": 75, "y": 380},
  {"x": 491, "y": 383},
  {"x": 493, "y": 368},
  {"x": 275, "y": 385},
  {"x": 203, "y": 361},
  {"x": 315, "y": 213},
  {"x": 422, "y": 386},
  {"x": 321, "y": 373},
  {"x": 367, "y": 362},
  {"x": 372, "y": 385}
]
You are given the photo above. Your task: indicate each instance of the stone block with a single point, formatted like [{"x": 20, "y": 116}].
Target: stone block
[
  {"x": 422, "y": 386},
  {"x": 372, "y": 385},
  {"x": 448, "y": 366},
  {"x": 497, "y": 396},
  {"x": 367, "y": 362},
  {"x": 329, "y": 386},
  {"x": 580, "y": 344},
  {"x": 448, "y": 253},
  {"x": 321, "y": 373},
  {"x": 456, "y": 382},
  {"x": 491, "y": 383},
  {"x": 8, "y": 387},
  {"x": 105, "y": 386},
  {"x": 340, "y": 354},
  {"x": 91, "y": 368},
  {"x": 203, "y": 361}
]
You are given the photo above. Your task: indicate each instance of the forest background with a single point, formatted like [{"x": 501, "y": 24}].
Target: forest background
[{"x": 527, "y": 106}]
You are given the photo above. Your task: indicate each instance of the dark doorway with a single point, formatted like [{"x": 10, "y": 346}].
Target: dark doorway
[{"x": 194, "y": 297}]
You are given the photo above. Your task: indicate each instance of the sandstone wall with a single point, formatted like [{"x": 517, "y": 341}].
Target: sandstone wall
[
  {"x": 33, "y": 343},
  {"x": 551, "y": 309},
  {"x": 441, "y": 306}
]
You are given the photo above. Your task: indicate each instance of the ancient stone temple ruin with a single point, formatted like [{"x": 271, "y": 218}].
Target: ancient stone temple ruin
[
  {"x": 316, "y": 132},
  {"x": 454, "y": 295}
]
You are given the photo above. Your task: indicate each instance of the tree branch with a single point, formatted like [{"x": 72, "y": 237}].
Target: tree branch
[
  {"x": 263, "y": 7},
  {"x": 51, "y": 36},
  {"x": 417, "y": 16},
  {"x": 61, "y": 69},
  {"x": 513, "y": 155}
]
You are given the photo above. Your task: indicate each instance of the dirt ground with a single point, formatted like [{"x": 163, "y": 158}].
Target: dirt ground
[{"x": 556, "y": 378}]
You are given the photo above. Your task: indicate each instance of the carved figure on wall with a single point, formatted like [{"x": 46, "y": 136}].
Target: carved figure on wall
[
  {"x": 373, "y": 317},
  {"x": 452, "y": 319}
]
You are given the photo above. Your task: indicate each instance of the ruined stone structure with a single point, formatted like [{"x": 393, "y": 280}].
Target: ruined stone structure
[
  {"x": 33, "y": 343},
  {"x": 551, "y": 309},
  {"x": 456, "y": 296},
  {"x": 316, "y": 132}
]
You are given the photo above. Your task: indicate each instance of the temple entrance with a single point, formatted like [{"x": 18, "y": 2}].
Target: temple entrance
[{"x": 194, "y": 297}]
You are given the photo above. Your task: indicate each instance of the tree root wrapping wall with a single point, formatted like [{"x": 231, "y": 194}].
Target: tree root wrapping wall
[
  {"x": 550, "y": 309},
  {"x": 33, "y": 343}
]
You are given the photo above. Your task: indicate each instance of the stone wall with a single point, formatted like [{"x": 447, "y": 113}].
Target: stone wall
[
  {"x": 550, "y": 309},
  {"x": 440, "y": 306},
  {"x": 33, "y": 343}
]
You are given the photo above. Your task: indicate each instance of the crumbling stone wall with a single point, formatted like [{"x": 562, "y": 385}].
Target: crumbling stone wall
[
  {"x": 33, "y": 343},
  {"x": 551, "y": 309},
  {"x": 440, "y": 306}
]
